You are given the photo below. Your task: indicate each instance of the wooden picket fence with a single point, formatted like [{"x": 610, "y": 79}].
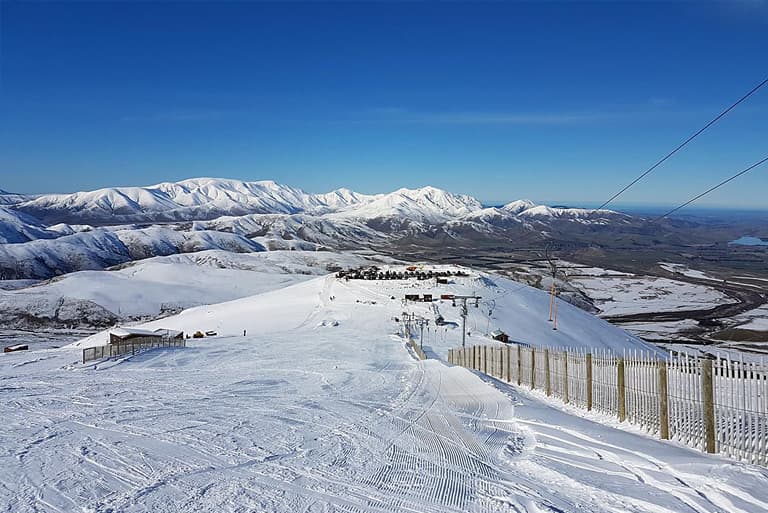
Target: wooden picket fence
[
  {"x": 718, "y": 406},
  {"x": 130, "y": 346}
]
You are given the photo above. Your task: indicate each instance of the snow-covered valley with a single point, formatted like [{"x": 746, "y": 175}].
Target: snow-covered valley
[{"x": 321, "y": 407}]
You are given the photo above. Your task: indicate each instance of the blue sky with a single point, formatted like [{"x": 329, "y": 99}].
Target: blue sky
[{"x": 557, "y": 102}]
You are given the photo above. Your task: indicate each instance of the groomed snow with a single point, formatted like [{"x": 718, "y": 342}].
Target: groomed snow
[
  {"x": 147, "y": 287},
  {"x": 320, "y": 407}
]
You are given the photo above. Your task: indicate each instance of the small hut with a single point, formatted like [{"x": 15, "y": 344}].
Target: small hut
[
  {"x": 500, "y": 336},
  {"x": 122, "y": 334}
]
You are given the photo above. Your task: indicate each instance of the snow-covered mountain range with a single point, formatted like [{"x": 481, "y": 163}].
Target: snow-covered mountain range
[
  {"x": 53, "y": 234},
  {"x": 210, "y": 198}
]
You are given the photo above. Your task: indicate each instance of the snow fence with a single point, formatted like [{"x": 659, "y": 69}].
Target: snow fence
[
  {"x": 131, "y": 346},
  {"x": 718, "y": 406}
]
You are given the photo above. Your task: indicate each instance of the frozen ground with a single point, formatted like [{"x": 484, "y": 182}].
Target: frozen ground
[
  {"x": 620, "y": 295},
  {"x": 662, "y": 331},
  {"x": 321, "y": 408},
  {"x": 756, "y": 319}
]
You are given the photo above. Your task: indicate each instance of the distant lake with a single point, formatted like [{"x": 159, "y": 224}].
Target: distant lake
[{"x": 750, "y": 241}]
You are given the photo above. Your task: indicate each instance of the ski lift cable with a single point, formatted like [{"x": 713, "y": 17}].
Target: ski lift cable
[
  {"x": 682, "y": 145},
  {"x": 742, "y": 172}
]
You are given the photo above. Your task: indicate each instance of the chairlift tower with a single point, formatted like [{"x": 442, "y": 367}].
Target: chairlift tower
[
  {"x": 465, "y": 313},
  {"x": 553, "y": 268}
]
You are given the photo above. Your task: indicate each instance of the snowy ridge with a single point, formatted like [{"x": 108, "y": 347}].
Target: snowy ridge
[
  {"x": 197, "y": 198},
  {"x": 18, "y": 227},
  {"x": 209, "y": 198},
  {"x": 102, "y": 248},
  {"x": 262, "y": 214},
  {"x": 12, "y": 198}
]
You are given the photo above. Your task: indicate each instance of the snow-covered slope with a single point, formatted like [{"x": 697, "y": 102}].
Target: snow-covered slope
[
  {"x": 320, "y": 407},
  {"x": 100, "y": 248},
  {"x": 517, "y": 309},
  {"x": 162, "y": 284},
  {"x": 209, "y": 198},
  {"x": 18, "y": 227},
  {"x": 12, "y": 198},
  {"x": 517, "y": 206},
  {"x": 269, "y": 214},
  {"x": 543, "y": 213},
  {"x": 426, "y": 205},
  {"x": 197, "y": 198}
]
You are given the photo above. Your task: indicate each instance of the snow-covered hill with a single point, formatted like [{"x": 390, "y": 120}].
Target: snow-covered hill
[
  {"x": 18, "y": 227},
  {"x": 210, "y": 198},
  {"x": 517, "y": 309},
  {"x": 156, "y": 285},
  {"x": 265, "y": 213},
  {"x": 193, "y": 199},
  {"x": 101, "y": 248},
  {"x": 12, "y": 198},
  {"x": 318, "y": 406},
  {"x": 426, "y": 205}
]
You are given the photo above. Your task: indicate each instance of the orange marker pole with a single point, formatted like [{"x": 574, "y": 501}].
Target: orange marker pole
[
  {"x": 551, "y": 298},
  {"x": 555, "y": 325}
]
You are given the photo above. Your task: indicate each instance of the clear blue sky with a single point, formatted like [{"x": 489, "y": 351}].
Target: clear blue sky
[{"x": 553, "y": 102}]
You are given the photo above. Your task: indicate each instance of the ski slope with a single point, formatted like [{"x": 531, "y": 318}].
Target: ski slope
[{"x": 320, "y": 407}]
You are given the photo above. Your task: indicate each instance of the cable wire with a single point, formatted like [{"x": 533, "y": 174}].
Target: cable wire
[
  {"x": 750, "y": 168},
  {"x": 683, "y": 144}
]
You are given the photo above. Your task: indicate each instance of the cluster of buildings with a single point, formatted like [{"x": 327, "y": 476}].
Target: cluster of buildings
[{"x": 411, "y": 272}]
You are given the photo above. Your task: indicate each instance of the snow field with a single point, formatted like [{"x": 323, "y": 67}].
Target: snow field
[{"x": 320, "y": 407}]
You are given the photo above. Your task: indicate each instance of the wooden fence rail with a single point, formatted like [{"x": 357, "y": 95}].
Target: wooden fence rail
[
  {"x": 717, "y": 406},
  {"x": 131, "y": 346}
]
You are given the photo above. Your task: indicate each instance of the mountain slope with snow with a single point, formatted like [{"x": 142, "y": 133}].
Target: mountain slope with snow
[
  {"x": 150, "y": 287},
  {"x": 98, "y": 249},
  {"x": 193, "y": 199},
  {"x": 319, "y": 406},
  {"x": 18, "y": 227},
  {"x": 210, "y": 198},
  {"x": 271, "y": 215}
]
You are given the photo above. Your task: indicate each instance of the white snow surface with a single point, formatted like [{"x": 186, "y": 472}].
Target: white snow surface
[
  {"x": 147, "y": 287},
  {"x": 17, "y": 227},
  {"x": 623, "y": 295},
  {"x": 519, "y": 310},
  {"x": 321, "y": 408},
  {"x": 756, "y": 319},
  {"x": 102, "y": 248},
  {"x": 208, "y": 198}
]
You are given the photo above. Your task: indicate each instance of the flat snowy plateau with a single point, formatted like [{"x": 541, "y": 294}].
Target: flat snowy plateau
[{"x": 321, "y": 407}]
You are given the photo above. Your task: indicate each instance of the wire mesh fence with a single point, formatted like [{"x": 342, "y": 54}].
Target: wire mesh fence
[
  {"x": 718, "y": 406},
  {"x": 130, "y": 346}
]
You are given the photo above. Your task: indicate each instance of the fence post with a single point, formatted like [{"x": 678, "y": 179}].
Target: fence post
[
  {"x": 565, "y": 377},
  {"x": 547, "y": 380},
  {"x": 533, "y": 369},
  {"x": 509, "y": 365},
  {"x": 519, "y": 365},
  {"x": 622, "y": 390},
  {"x": 485, "y": 359},
  {"x": 708, "y": 404},
  {"x": 663, "y": 401},
  {"x": 588, "y": 361}
]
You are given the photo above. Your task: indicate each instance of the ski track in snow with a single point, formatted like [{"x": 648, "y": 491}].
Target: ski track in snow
[{"x": 316, "y": 417}]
